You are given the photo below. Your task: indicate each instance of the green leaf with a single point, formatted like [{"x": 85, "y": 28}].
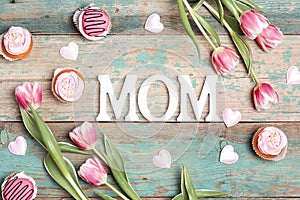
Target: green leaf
[
  {"x": 252, "y": 4},
  {"x": 184, "y": 192},
  {"x": 187, "y": 25},
  {"x": 30, "y": 125},
  {"x": 208, "y": 27},
  {"x": 202, "y": 193},
  {"x": 55, "y": 153},
  {"x": 56, "y": 174},
  {"x": 242, "y": 6},
  {"x": 243, "y": 48},
  {"x": 233, "y": 23},
  {"x": 198, "y": 5},
  {"x": 117, "y": 167},
  {"x": 67, "y": 147},
  {"x": 104, "y": 196},
  {"x": 188, "y": 184},
  {"x": 230, "y": 5},
  {"x": 221, "y": 11}
]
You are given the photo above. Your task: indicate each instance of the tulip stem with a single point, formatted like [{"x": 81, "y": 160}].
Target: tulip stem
[
  {"x": 116, "y": 191},
  {"x": 100, "y": 155},
  {"x": 253, "y": 75},
  {"x": 191, "y": 11}
]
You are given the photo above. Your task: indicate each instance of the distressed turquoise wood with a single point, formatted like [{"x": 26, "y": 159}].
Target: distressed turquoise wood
[{"x": 128, "y": 48}]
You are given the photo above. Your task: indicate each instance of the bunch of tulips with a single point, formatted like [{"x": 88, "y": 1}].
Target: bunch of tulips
[{"x": 244, "y": 19}]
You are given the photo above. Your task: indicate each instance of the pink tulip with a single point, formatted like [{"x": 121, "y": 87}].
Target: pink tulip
[
  {"x": 269, "y": 38},
  {"x": 264, "y": 96},
  {"x": 224, "y": 60},
  {"x": 253, "y": 23},
  {"x": 29, "y": 94},
  {"x": 84, "y": 136},
  {"x": 93, "y": 172}
]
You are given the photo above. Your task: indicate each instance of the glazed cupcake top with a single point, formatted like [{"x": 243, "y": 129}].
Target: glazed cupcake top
[
  {"x": 16, "y": 40},
  {"x": 68, "y": 84},
  {"x": 19, "y": 186},
  {"x": 92, "y": 22},
  {"x": 271, "y": 141}
]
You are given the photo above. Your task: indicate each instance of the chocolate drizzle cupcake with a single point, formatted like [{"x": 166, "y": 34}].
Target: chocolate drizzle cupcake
[
  {"x": 18, "y": 186},
  {"x": 92, "y": 22}
]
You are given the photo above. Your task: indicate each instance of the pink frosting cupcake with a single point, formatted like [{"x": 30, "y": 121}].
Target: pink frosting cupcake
[
  {"x": 18, "y": 186},
  {"x": 92, "y": 22},
  {"x": 16, "y": 43},
  {"x": 270, "y": 143},
  {"x": 67, "y": 84}
]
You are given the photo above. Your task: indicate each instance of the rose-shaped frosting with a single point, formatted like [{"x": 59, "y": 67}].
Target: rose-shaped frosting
[
  {"x": 69, "y": 86},
  {"x": 16, "y": 40},
  {"x": 271, "y": 141}
]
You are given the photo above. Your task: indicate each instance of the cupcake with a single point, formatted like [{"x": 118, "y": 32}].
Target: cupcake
[
  {"x": 67, "y": 84},
  {"x": 18, "y": 186},
  {"x": 92, "y": 22},
  {"x": 16, "y": 43},
  {"x": 270, "y": 143}
]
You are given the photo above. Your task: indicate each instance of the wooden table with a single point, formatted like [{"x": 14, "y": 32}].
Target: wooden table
[{"x": 130, "y": 47}]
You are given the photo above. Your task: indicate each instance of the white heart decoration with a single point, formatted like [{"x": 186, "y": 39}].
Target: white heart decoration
[
  {"x": 69, "y": 52},
  {"x": 163, "y": 159},
  {"x": 228, "y": 155},
  {"x": 293, "y": 75},
  {"x": 18, "y": 147},
  {"x": 231, "y": 117},
  {"x": 153, "y": 24}
]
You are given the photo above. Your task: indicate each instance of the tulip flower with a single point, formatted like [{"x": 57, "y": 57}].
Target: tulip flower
[
  {"x": 264, "y": 96},
  {"x": 224, "y": 60},
  {"x": 93, "y": 172},
  {"x": 29, "y": 94},
  {"x": 269, "y": 38},
  {"x": 84, "y": 136},
  {"x": 253, "y": 23}
]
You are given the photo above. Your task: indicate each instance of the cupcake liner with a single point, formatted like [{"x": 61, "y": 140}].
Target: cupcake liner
[{"x": 278, "y": 157}]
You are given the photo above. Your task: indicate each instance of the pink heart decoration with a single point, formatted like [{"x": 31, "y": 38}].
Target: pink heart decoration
[
  {"x": 69, "y": 52},
  {"x": 230, "y": 117},
  {"x": 293, "y": 75},
  {"x": 153, "y": 24},
  {"x": 18, "y": 147},
  {"x": 228, "y": 155},
  {"x": 163, "y": 159}
]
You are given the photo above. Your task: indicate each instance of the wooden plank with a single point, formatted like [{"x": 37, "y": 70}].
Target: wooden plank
[
  {"x": 249, "y": 177},
  {"x": 54, "y": 18},
  {"x": 125, "y": 55}
]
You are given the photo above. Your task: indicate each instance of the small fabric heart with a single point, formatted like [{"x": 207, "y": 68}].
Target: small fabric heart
[
  {"x": 153, "y": 24},
  {"x": 163, "y": 159},
  {"x": 69, "y": 52},
  {"x": 18, "y": 147},
  {"x": 231, "y": 117},
  {"x": 293, "y": 75},
  {"x": 228, "y": 155}
]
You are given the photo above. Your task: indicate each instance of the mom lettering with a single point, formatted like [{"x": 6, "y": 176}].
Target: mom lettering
[{"x": 187, "y": 92}]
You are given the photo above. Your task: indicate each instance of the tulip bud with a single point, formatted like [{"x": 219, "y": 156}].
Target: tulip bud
[
  {"x": 264, "y": 96},
  {"x": 93, "y": 172},
  {"x": 253, "y": 23},
  {"x": 269, "y": 38},
  {"x": 224, "y": 60},
  {"x": 29, "y": 94},
  {"x": 84, "y": 136}
]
